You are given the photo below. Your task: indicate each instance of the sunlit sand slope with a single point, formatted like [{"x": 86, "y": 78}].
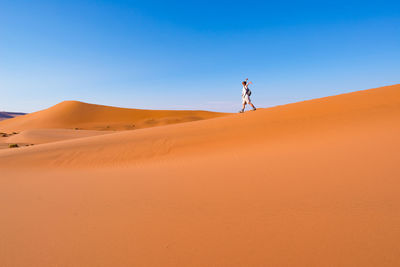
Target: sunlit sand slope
[
  {"x": 376, "y": 110},
  {"x": 74, "y": 114},
  {"x": 41, "y": 136},
  {"x": 314, "y": 183}
]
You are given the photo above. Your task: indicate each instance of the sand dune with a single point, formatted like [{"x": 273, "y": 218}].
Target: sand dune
[
  {"x": 310, "y": 120},
  {"x": 8, "y": 115},
  {"x": 41, "y": 136},
  {"x": 74, "y": 114},
  {"x": 314, "y": 183}
]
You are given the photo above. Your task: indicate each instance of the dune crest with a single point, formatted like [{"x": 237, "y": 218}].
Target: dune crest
[
  {"x": 84, "y": 116},
  {"x": 314, "y": 120}
]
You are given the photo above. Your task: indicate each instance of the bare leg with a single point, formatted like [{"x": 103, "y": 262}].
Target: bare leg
[
  {"x": 251, "y": 104},
  {"x": 243, "y": 107}
]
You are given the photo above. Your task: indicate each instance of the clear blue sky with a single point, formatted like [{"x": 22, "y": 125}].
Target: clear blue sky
[{"x": 193, "y": 54}]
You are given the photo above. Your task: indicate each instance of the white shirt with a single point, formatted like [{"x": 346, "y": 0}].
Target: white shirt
[{"x": 244, "y": 91}]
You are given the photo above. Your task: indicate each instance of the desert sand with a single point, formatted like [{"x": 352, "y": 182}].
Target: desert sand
[
  {"x": 42, "y": 136},
  {"x": 84, "y": 116},
  {"x": 314, "y": 183}
]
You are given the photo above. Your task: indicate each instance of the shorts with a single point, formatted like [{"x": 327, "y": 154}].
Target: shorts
[{"x": 246, "y": 100}]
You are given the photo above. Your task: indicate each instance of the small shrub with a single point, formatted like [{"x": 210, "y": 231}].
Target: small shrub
[
  {"x": 13, "y": 145},
  {"x": 14, "y": 133}
]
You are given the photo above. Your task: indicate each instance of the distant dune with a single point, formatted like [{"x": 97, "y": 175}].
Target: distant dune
[
  {"x": 314, "y": 183},
  {"x": 8, "y": 115},
  {"x": 74, "y": 114}
]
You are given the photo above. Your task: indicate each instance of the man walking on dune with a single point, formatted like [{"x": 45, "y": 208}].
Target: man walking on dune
[{"x": 246, "y": 96}]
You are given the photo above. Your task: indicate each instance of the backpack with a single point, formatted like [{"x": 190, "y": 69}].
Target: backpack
[{"x": 248, "y": 92}]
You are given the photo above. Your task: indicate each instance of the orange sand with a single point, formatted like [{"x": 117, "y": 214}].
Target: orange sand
[
  {"x": 74, "y": 114},
  {"x": 314, "y": 183},
  {"x": 42, "y": 136}
]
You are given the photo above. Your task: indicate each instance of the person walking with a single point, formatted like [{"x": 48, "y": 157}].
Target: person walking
[{"x": 246, "y": 95}]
